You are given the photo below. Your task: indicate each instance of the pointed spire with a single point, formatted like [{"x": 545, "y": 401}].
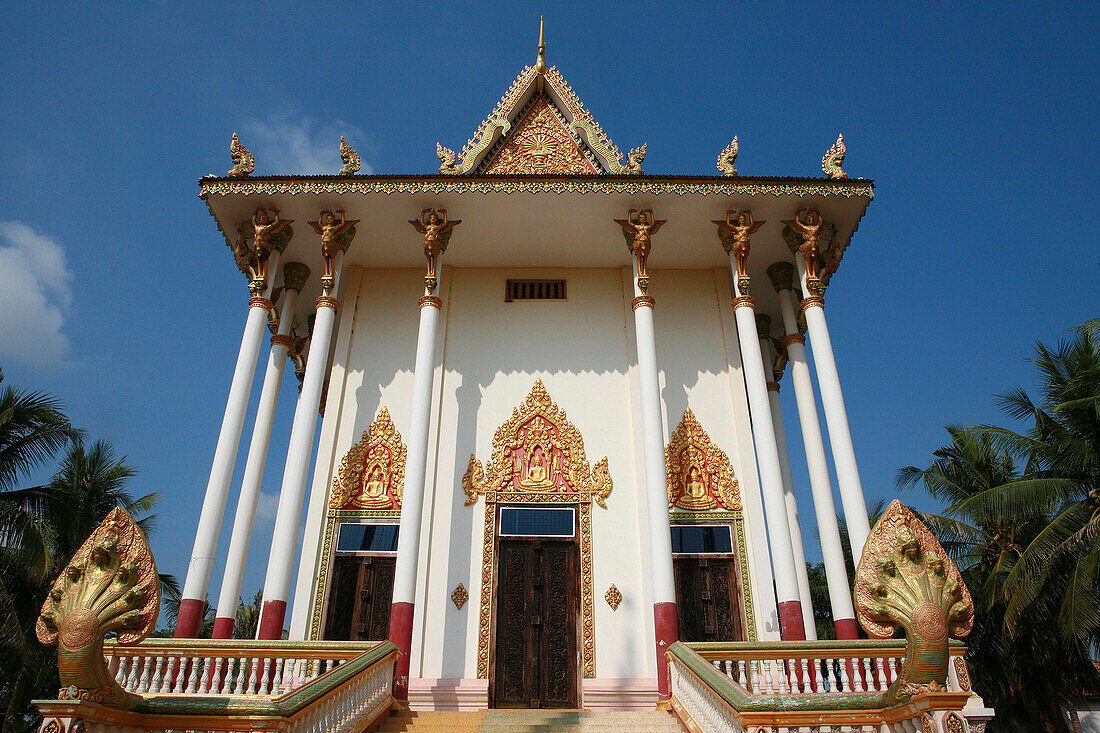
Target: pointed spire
[{"x": 540, "y": 63}]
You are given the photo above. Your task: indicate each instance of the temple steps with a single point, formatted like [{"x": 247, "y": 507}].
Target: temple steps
[{"x": 531, "y": 721}]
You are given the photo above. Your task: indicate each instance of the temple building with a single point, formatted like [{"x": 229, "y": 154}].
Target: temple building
[{"x": 546, "y": 386}]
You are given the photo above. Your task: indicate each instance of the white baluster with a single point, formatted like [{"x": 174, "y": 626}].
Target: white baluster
[
  {"x": 253, "y": 676},
  {"x": 216, "y": 678},
  {"x": 277, "y": 682},
  {"x": 741, "y": 674},
  {"x": 845, "y": 683},
  {"x": 807, "y": 683},
  {"x": 123, "y": 670},
  {"x": 819, "y": 685},
  {"x": 869, "y": 674},
  {"x": 242, "y": 675},
  {"x": 230, "y": 670},
  {"x": 857, "y": 675},
  {"x": 158, "y": 675},
  {"x": 176, "y": 675},
  {"x": 135, "y": 670},
  {"x": 893, "y": 675},
  {"x": 265, "y": 684},
  {"x": 193, "y": 680}
]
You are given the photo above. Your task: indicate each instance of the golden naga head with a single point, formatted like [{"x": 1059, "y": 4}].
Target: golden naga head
[
  {"x": 905, "y": 579},
  {"x": 110, "y": 585}
]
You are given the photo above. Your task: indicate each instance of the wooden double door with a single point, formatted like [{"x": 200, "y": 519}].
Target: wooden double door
[
  {"x": 708, "y": 598},
  {"x": 360, "y": 597},
  {"x": 536, "y": 655}
]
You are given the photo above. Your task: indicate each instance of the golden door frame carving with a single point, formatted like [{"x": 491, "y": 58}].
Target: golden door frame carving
[{"x": 538, "y": 458}]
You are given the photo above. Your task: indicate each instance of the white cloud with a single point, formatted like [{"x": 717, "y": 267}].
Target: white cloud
[
  {"x": 35, "y": 294},
  {"x": 288, "y": 143},
  {"x": 266, "y": 508}
]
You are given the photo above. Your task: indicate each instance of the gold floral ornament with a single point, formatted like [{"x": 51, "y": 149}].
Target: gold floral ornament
[
  {"x": 613, "y": 597},
  {"x": 699, "y": 473},
  {"x": 459, "y": 596},
  {"x": 372, "y": 473},
  {"x": 905, "y": 578},
  {"x": 110, "y": 585},
  {"x": 538, "y": 456}
]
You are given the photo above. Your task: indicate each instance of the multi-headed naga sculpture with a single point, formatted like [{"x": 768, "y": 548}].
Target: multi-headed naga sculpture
[
  {"x": 110, "y": 585},
  {"x": 834, "y": 158},
  {"x": 727, "y": 158},
  {"x": 243, "y": 161},
  {"x": 905, "y": 579}
]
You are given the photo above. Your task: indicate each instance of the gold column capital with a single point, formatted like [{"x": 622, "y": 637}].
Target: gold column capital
[
  {"x": 642, "y": 300},
  {"x": 743, "y": 301},
  {"x": 327, "y": 301},
  {"x": 432, "y": 300},
  {"x": 782, "y": 275}
]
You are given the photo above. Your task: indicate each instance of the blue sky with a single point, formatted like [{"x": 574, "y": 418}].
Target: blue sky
[{"x": 979, "y": 125}]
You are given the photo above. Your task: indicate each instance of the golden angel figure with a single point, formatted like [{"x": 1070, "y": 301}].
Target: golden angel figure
[
  {"x": 807, "y": 227},
  {"x": 263, "y": 229},
  {"x": 638, "y": 233},
  {"x": 735, "y": 235},
  {"x": 436, "y": 229},
  {"x": 330, "y": 231}
]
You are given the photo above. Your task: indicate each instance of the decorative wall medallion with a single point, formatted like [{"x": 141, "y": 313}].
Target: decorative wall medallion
[
  {"x": 613, "y": 597},
  {"x": 962, "y": 674},
  {"x": 538, "y": 458},
  {"x": 953, "y": 723},
  {"x": 927, "y": 724},
  {"x": 539, "y": 143},
  {"x": 699, "y": 473},
  {"x": 372, "y": 473},
  {"x": 460, "y": 596}
]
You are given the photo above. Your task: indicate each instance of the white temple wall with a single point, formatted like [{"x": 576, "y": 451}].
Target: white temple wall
[{"x": 491, "y": 352}]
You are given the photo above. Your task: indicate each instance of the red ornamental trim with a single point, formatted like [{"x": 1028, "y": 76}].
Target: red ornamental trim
[
  {"x": 258, "y": 302},
  {"x": 642, "y": 300},
  {"x": 813, "y": 300},
  {"x": 281, "y": 339},
  {"x": 327, "y": 301},
  {"x": 432, "y": 300},
  {"x": 743, "y": 301},
  {"x": 793, "y": 338}
]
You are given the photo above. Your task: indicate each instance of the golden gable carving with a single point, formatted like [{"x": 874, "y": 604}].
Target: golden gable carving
[{"x": 372, "y": 473}]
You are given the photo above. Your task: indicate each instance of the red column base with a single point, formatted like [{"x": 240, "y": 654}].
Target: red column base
[
  {"x": 791, "y": 625},
  {"x": 401, "y": 634},
  {"x": 846, "y": 628},
  {"x": 666, "y": 632},
  {"x": 271, "y": 620},
  {"x": 223, "y": 628},
  {"x": 189, "y": 619}
]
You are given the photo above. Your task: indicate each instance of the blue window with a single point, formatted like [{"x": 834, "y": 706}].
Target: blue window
[
  {"x": 694, "y": 539},
  {"x": 367, "y": 538},
  {"x": 518, "y": 522}
]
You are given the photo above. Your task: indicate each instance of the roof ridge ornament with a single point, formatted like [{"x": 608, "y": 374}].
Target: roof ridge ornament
[
  {"x": 243, "y": 161},
  {"x": 833, "y": 159},
  {"x": 727, "y": 158},
  {"x": 350, "y": 158},
  {"x": 540, "y": 62}
]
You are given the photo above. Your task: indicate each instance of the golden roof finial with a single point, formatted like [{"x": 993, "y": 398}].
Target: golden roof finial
[{"x": 540, "y": 63}]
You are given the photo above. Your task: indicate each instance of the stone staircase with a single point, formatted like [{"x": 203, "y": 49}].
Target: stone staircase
[{"x": 531, "y": 721}]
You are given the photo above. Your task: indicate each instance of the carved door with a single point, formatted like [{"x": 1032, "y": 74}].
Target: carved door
[
  {"x": 707, "y": 599},
  {"x": 536, "y": 655},
  {"x": 359, "y": 600}
]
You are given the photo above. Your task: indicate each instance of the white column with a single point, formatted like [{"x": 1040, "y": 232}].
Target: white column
[
  {"x": 294, "y": 276},
  {"x": 412, "y": 500},
  {"x": 656, "y": 483},
  {"x": 197, "y": 582},
  {"x": 767, "y": 459},
  {"x": 836, "y": 418},
  {"x": 284, "y": 540},
  {"x": 763, "y": 323},
  {"x": 832, "y": 553}
]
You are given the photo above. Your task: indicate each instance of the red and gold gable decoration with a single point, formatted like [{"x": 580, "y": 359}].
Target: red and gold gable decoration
[
  {"x": 538, "y": 457},
  {"x": 700, "y": 476},
  {"x": 372, "y": 473},
  {"x": 539, "y": 143}
]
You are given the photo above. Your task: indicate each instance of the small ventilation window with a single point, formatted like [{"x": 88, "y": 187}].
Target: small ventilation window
[{"x": 534, "y": 290}]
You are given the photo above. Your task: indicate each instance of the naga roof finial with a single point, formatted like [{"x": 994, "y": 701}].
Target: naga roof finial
[{"x": 540, "y": 63}]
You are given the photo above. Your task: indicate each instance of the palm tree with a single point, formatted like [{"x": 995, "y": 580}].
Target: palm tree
[
  {"x": 1021, "y": 523},
  {"x": 41, "y": 527}
]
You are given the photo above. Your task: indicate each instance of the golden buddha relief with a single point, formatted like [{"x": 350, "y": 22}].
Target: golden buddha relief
[
  {"x": 699, "y": 474},
  {"x": 372, "y": 473}
]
